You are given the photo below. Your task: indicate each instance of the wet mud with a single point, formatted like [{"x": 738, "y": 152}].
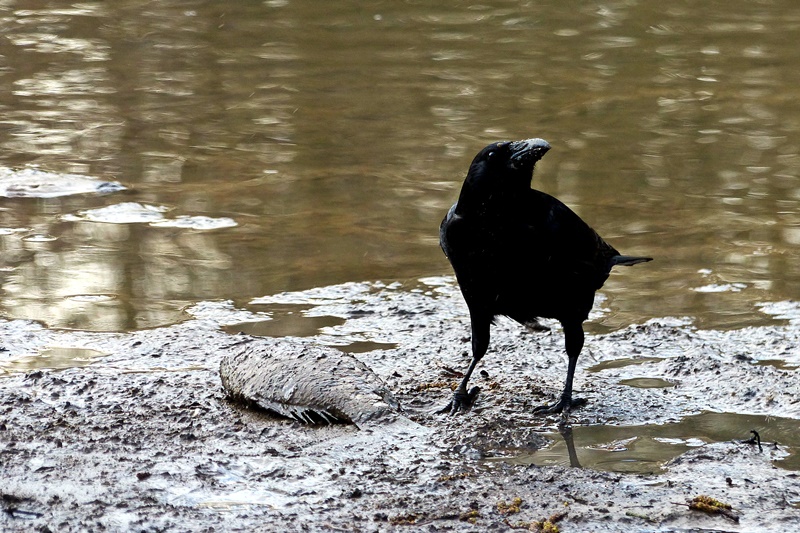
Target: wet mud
[{"x": 144, "y": 438}]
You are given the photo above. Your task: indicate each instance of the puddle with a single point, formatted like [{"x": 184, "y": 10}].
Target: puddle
[
  {"x": 639, "y": 383},
  {"x": 366, "y": 346},
  {"x": 287, "y": 321},
  {"x": 55, "y": 358},
  {"x": 621, "y": 363},
  {"x": 296, "y": 324},
  {"x": 225, "y": 313},
  {"x": 780, "y": 364},
  {"x": 644, "y": 449},
  {"x": 647, "y": 383},
  {"x": 345, "y": 293}
]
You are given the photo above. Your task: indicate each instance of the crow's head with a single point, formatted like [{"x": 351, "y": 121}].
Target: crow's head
[{"x": 508, "y": 162}]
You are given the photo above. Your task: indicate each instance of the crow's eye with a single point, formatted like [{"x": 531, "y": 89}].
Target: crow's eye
[{"x": 490, "y": 155}]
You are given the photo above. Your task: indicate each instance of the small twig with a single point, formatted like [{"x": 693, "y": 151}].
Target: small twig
[
  {"x": 755, "y": 439},
  {"x": 450, "y": 372},
  {"x": 758, "y": 439}
]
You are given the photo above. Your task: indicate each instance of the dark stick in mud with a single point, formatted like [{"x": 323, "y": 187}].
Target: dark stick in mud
[
  {"x": 522, "y": 253},
  {"x": 755, "y": 439}
]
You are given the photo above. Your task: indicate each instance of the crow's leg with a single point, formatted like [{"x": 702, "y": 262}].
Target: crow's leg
[
  {"x": 573, "y": 338},
  {"x": 462, "y": 399}
]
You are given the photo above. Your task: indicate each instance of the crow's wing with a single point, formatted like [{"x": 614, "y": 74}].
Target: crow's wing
[{"x": 563, "y": 244}]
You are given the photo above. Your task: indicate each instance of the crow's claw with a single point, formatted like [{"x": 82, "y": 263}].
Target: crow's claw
[
  {"x": 562, "y": 405},
  {"x": 461, "y": 401}
]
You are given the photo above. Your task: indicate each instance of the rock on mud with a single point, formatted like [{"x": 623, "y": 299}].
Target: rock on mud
[{"x": 309, "y": 383}]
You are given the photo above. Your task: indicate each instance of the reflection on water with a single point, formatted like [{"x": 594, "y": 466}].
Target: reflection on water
[
  {"x": 331, "y": 138},
  {"x": 644, "y": 449}
]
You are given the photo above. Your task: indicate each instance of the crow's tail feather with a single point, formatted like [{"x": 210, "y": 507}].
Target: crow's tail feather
[{"x": 628, "y": 260}]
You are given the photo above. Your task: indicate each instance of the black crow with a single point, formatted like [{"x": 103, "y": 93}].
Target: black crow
[{"x": 522, "y": 253}]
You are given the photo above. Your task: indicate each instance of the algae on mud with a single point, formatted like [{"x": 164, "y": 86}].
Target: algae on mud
[{"x": 145, "y": 438}]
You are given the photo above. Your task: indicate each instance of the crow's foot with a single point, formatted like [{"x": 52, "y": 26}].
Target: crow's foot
[
  {"x": 461, "y": 401},
  {"x": 562, "y": 405}
]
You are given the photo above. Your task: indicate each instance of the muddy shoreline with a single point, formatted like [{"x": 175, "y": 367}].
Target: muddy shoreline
[{"x": 144, "y": 438}]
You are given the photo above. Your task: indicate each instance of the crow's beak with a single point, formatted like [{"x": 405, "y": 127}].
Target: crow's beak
[{"x": 529, "y": 150}]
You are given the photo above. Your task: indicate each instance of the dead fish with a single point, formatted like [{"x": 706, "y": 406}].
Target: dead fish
[{"x": 309, "y": 383}]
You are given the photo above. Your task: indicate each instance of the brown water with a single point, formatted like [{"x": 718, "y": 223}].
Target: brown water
[
  {"x": 335, "y": 135},
  {"x": 644, "y": 449}
]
